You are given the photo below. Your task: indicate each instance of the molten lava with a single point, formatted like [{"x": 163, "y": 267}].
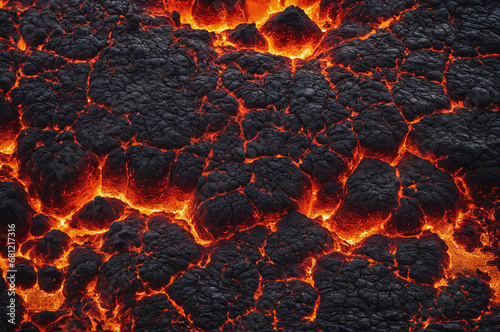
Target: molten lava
[{"x": 249, "y": 165}]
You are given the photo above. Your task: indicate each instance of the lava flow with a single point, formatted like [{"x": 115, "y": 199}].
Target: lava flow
[{"x": 250, "y": 165}]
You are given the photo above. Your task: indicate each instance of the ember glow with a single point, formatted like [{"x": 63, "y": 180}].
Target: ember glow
[{"x": 250, "y": 165}]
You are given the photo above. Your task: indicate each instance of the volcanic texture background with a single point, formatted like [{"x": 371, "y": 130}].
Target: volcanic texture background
[{"x": 262, "y": 165}]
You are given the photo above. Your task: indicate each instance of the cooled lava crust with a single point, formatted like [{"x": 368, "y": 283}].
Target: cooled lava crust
[{"x": 239, "y": 165}]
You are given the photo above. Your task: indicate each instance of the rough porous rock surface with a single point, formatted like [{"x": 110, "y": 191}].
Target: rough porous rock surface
[{"x": 332, "y": 165}]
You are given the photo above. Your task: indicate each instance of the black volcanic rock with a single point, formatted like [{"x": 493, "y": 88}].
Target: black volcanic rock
[
  {"x": 97, "y": 214},
  {"x": 297, "y": 238},
  {"x": 264, "y": 191},
  {"x": 50, "y": 278},
  {"x": 14, "y": 209},
  {"x": 49, "y": 247},
  {"x": 168, "y": 249},
  {"x": 247, "y": 35},
  {"x": 371, "y": 192},
  {"x": 291, "y": 28}
]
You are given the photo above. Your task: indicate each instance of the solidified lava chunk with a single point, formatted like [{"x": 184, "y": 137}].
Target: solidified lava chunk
[
  {"x": 224, "y": 213},
  {"x": 278, "y": 186},
  {"x": 417, "y": 96},
  {"x": 247, "y": 35},
  {"x": 98, "y": 214},
  {"x": 40, "y": 61},
  {"x": 340, "y": 138},
  {"x": 407, "y": 219},
  {"x": 358, "y": 92},
  {"x": 9, "y": 120},
  {"x": 314, "y": 104},
  {"x": 148, "y": 170},
  {"x": 50, "y": 278},
  {"x": 425, "y": 257},
  {"x": 60, "y": 170},
  {"x": 289, "y": 301},
  {"x": 53, "y": 98},
  {"x": 293, "y": 29},
  {"x": 186, "y": 171},
  {"x": 271, "y": 143},
  {"x": 155, "y": 313},
  {"x": 101, "y": 131},
  {"x": 48, "y": 248},
  {"x": 433, "y": 188},
  {"x": 168, "y": 249},
  {"x": 7, "y": 68},
  {"x": 14, "y": 209},
  {"x": 355, "y": 295},
  {"x": 426, "y": 63},
  {"x": 26, "y": 273},
  {"x": 118, "y": 280},
  {"x": 84, "y": 264},
  {"x": 226, "y": 286},
  {"x": 371, "y": 191},
  {"x": 297, "y": 238},
  {"x": 463, "y": 298},
  {"x": 380, "y": 129},
  {"x": 468, "y": 235},
  {"x": 473, "y": 80},
  {"x": 222, "y": 208},
  {"x": 464, "y": 142},
  {"x": 372, "y": 11},
  {"x": 40, "y": 224},
  {"x": 123, "y": 235},
  {"x": 347, "y": 30},
  {"x": 323, "y": 165},
  {"x": 381, "y": 52}
]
